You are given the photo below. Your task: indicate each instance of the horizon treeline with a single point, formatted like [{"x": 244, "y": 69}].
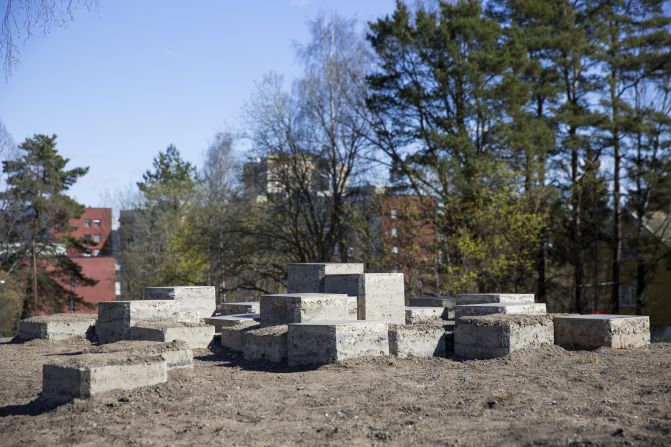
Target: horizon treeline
[{"x": 534, "y": 134}]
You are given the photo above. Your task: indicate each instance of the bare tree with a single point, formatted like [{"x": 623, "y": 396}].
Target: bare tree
[{"x": 21, "y": 17}]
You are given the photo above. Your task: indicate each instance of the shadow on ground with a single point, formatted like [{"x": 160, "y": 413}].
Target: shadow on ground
[
  {"x": 230, "y": 359},
  {"x": 32, "y": 408}
]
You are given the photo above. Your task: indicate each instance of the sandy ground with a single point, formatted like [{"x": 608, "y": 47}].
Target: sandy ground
[{"x": 544, "y": 397}]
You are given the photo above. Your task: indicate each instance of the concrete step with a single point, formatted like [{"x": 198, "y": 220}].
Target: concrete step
[
  {"x": 595, "y": 331},
  {"x": 57, "y": 326}
]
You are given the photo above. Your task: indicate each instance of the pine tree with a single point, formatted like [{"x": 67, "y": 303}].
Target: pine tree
[{"x": 37, "y": 220}]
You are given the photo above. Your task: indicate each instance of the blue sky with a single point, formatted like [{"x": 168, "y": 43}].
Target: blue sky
[{"x": 125, "y": 80}]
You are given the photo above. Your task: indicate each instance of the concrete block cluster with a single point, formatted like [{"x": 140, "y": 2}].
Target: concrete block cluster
[
  {"x": 115, "y": 318},
  {"x": 300, "y": 307},
  {"x": 57, "y": 326}
]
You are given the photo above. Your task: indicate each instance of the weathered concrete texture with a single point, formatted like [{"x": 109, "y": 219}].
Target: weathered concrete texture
[
  {"x": 239, "y": 320},
  {"x": 380, "y": 296},
  {"x": 268, "y": 343},
  {"x": 195, "y": 302},
  {"x": 57, "y": 326},
  {"x": 416, "y": 315},
  {"x": 115, "y": 318},
  {"x": 417, "y": 340},
  {"x": 447, "y": 302},
  {"x": 177, "y": 353},
  {"x": 499, "y": 308},
  {"x": 87, "y": 375},
  {"x": 595, "y": 331},
  {"x": 490, "y": 336},
  {"x": 484, "y": 298},
  {"x": 320, "y": 342},
  {"x": 309, "y": 277},
  {"x": 300, "y": 307},
  {"x": 232, "y": 337},
  {"x": 195, "y": 335},
  {"x": 246, "y": 307}
]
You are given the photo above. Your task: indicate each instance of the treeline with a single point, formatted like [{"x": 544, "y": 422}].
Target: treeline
[
  {"x": 538, "y": 131},
  {"x": 526, "y": 147}
]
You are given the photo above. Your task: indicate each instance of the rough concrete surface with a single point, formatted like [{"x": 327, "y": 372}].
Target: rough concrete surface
[
  {"x": 380, "y": 296},
  {"x": 415, "y": 315},
  {"x": 116, "y": 317},
  {"x": 300, "y": 307},
  {"x": 87, "y": 375},
  {"x": 321, "y": 342},
  {"x": 417, "y": 340},
  {"x": 267, "y": 343},
  {"x": 244, "y": 307},
  {"x": 57, "y": 326},
  {"x": 237, "y": 320},
  {"x": 195, "y": 335},
  {"x": 595, "y": 331},
  {"x": 499, "y": 308},
  {"x": 176, "y": 353},
  {"x": 543, "y": 397},
  {"x": 195, "y": 302},
  {"x": 482, "y": 298},
  {"x": 489, "y": 336},
  {"x": 232, "y": 337},
  {"x": 309, "y": 277}
]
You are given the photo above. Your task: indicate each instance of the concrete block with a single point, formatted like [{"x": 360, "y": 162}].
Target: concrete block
[
  {"x": 300, "y": 307},
  {"x": 246, "y": 307},
  {"x": 309, "y": 277},
  {"x": 489, "y": 336},
  {"x": 87, "y": 375},
  {"x": 195, "y": 302},
  {"x": 176, "y": 353},
  {"x": 320, "y": 342},
  {"x": 380, "y": 296},
  {"x": 499, "y": 308},
  {"x": 267, "y": 343},
  {"x": 484, "y": 298},
  {"x": 57, "y": 326},
  {"x": 448, "y": 302},
  {"x": 195, "y": 335},
  {"x": 595, "y": 331},
  {"x": 415, "y": 315},
  {"x": 115, "y": 318},
  {"x": 417, "y": 340},
  {"x": 239, "y": 320},
  {"x": 232, "y": 337}
]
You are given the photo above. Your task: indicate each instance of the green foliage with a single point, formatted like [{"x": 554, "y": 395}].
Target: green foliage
[{"x": 36, "y": 224}]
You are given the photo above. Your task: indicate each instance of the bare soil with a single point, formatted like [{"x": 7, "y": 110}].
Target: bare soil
[{"x": 538, "y": 398}]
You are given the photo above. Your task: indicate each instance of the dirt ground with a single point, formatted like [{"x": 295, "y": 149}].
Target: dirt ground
[{"x": 538, "y": 398}]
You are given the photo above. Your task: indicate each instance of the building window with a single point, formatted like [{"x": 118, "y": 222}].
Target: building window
[
  {"x": 87, "y": 223},
  {"x": 96, "y": 238},
  {"x": 394, "y": 214},
  {"x": 394, "y": 250},
  {"x": 96, "y": 223},
  {"x": 394, "y": 232},
  {"x": 96, "y": 252}
]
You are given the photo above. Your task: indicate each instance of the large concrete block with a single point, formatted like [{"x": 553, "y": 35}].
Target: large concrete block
[
  {"x": 300, "y": 307},
  {"x": 416, "y": 315},
  {"x": 195, "y": 302},
  {"x": 499, "y": 308},
  {"x": 380, "y": 296},
  {"x": 497, "y": 335},
  {"x": 246, "y": 307},
  {"x": 177, "y": 353},
  {"x": 87, "y": 375},
  {"x": 448, "y": 302},
  {"x": 320, "y": 342},
  {"x": 268, "y": 343},
  {"x": 595, "y": 331},
  {"x": 232, "y": 336},
  {"x": 195, "y": 335},
  {"x": 115, "y": 318},
  {"x": 57, "y": 326},
  {"x": 239, "y": 320},
  {"x": 417, "y": 340},
  {"x": 484, "y": 298},
  {"x": 309, "y": 277}
]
